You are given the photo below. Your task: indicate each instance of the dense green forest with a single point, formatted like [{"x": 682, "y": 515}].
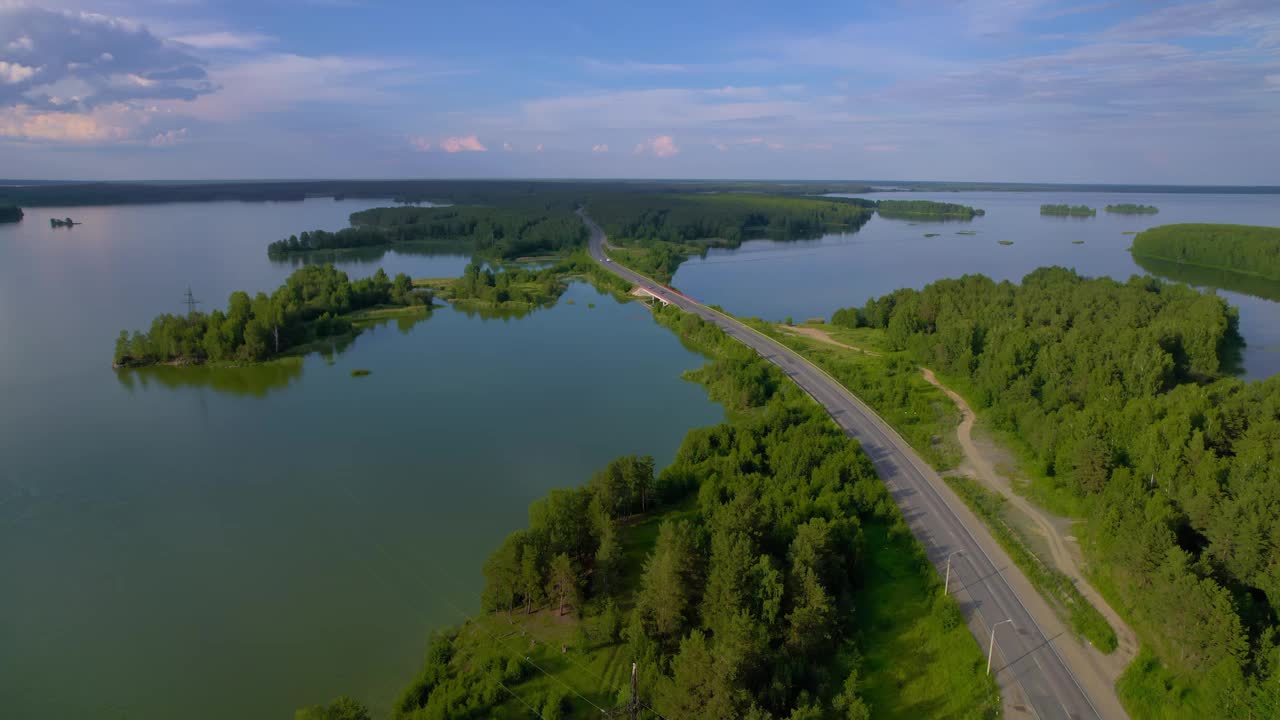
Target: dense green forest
[
  {"x": 744, "y": 604},
  {"x": 460, "y": 192},
  {"x": 661, "y": 231},
  {"x": 314, "y": 302},
  {"x": 10, "y": 213},
  {"x": 1116, "y": 393},
  {"x": 499, "y": 232},
  {"x": 1249, "y": 249},
  {"x": 927, "y": 209},
  {"x": 1131, "y": 209},
  {"x": 1071, "y": 210}
]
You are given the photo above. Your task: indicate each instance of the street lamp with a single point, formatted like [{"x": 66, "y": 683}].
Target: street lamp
[
  {"x": 991, "y": 648},
  {"x": 946, "y": 585}
]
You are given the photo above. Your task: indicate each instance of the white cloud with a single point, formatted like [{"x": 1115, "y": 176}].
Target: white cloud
[
  {"x": 225, "y": 40},
  {"x": 420, "y": 143},
  {"x": 13, "y": 73},
  {"x": 506, "y": 146},
  {"x": 169, "y": 138},
  {"x": 881, "y": 147},
  {"x": 47, "y": 52},
  {"x": 538, "y": 148},
  {"x": 661, "y": 146},
  {"x": 629, "y": 67},
  {"x": 602, "y": 148},
  {"x": 467, "y": 143},
  {"x": 22, "y": 123}
]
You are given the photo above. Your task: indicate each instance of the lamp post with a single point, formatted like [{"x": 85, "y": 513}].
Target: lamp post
[
  {"x": 946, "y": 585},
  {"x": 991, "y": 648}
]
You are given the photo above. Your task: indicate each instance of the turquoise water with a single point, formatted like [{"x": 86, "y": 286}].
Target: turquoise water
[
  {"x": 236, "y": 544},
  {"x": 813, "y": 278}
]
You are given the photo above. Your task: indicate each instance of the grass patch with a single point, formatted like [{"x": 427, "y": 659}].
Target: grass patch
[
  {"x": 1077, "y": 242},
  {"x": 361, "y": 372},
  {"x": 1056, "y": 587},
  {"x": 1005, "y": 242},
  {"x": 966, "y": 232},
  {"x": 892, "y": 385},
  {"x": 931, "y": 234},
  {"x": 920, "y": 659}
]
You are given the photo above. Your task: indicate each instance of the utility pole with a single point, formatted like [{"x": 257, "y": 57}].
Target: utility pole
[
  {"x": 191, "y": 302},
  {"x": 991, "y": 648},
  {"x": 635, "y": 693},
  {"x": 946, "y": 585}
]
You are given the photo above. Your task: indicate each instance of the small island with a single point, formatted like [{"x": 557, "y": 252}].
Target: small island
[
  {"x": 927, "y": 209},
  {"x": 316, "y": 302},
  {"x": 63, "y": 222},
  {"x": 1068, "y": 210},
  {"x": 1131, "y": 209},
  {"x": 10, "y": 213},
  {"x": 1245, "y": 249}
]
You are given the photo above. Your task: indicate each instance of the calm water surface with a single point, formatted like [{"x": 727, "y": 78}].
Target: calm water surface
[
  {"x": 236, "y": 544},
  {"x": 812, "y": 278}
]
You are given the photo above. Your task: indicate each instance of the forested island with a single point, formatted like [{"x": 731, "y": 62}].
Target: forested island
[
  {"x": 1068, "y": 210},
  {"x": 656, "y": 233},
  {"x": 1131, "y": 209},
  {"x": 62, "y": 222},
  {"x": 927, "y": 209},
  {"x": 10, "y": 213},
  {"x": 316, "y": 302},
  {"x": 1247, "y": 249},
  {"x": 754, "y": 577},
  {"x": 1118, "y": 395},
  {"x": 506, "y": 232}
]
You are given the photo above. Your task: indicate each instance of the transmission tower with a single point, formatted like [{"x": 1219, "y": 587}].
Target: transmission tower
[{"x": 191, "y": 302}]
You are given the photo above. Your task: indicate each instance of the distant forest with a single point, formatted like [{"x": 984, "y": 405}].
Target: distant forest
[
  {"x": 1249, "y": 249},
  {"x": 1119, "y": 395},
  {"x": 666, "y": 229},
  {"x": 1071, "y": 210},
  {"x": 927, "y": 209},
  {"x": 1131, "y": 209},
  {"x": 506, "y": 232}
]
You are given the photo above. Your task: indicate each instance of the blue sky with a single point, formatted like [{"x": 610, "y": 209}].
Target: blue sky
[{"x": 1019, "y": 90}]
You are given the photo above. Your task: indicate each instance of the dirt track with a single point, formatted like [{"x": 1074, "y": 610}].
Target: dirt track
[{"x": 980, "y": 464}]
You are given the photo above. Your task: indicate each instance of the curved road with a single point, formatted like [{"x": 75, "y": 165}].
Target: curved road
[{"x": 1034, "y": 678}]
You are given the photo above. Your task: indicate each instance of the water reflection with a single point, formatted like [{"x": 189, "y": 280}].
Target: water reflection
[
  {"x": 254, "y": 380},
  {"x": 261, "y": 379},
  {"x": 1198, "y": 276},
  {"x": 373, "y": 255}
]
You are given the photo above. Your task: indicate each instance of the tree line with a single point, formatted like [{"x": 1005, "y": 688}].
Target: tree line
[
  {"x": 1071, "y": 210},
  {"x": 743, "y": 608},
  {"x": 504, "y": 232},
  {"x": 664, "y": 230},
  {"x": 927, "y": 209},
  {"x": 1117, "y": 393},
  {"x": 1132, "y": 209},
  {"x": 10, "y": 213},
  {"x": 312, "y": 303},
  {"x": 1249, "y": 249}
]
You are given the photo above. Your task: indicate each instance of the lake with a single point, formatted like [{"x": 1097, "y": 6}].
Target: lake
[
  {"x": 813, "y": 278},
  {"x": 235, "y": 544}
]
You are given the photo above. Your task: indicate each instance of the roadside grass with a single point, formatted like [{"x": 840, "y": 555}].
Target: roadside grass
[
  {"x": 891, "y": 384},
  {"x": 920, "y": 431},
  {"x": 1056, "y": 587},
  {"x": 920, "y": 660},
  {"x": 1150, "y": 691}
]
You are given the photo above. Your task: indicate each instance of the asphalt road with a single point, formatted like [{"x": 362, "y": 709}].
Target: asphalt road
[{"x": 1033, "y": 676}]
